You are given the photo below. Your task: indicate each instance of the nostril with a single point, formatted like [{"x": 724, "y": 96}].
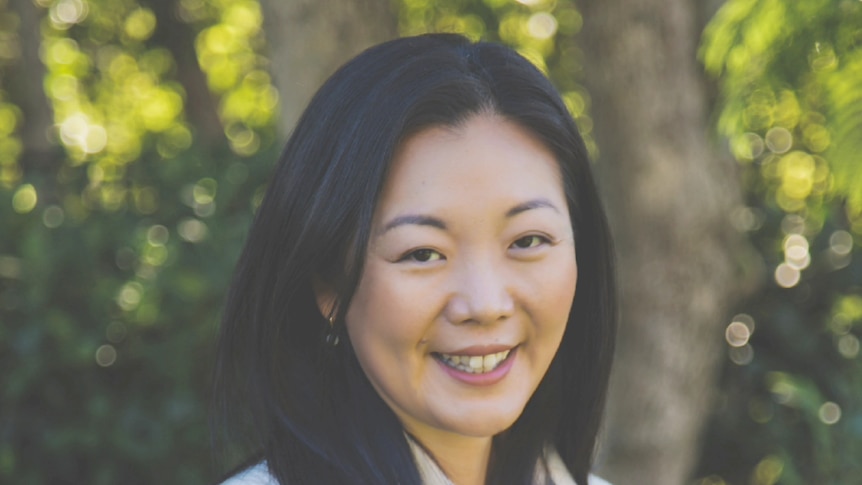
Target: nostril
[{"x": 481, "y": 294}]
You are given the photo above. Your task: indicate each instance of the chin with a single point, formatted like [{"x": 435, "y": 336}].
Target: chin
[{"x": 484, "y": 423}]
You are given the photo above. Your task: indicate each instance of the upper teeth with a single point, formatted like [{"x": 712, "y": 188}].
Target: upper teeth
[{"x": 475, "y": 364}]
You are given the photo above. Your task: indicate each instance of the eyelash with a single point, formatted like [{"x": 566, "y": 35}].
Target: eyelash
[
  {"x": 412, "y": 256},
  {"x": 530, "y": 238},
  {"x": 427, "y": 255}
]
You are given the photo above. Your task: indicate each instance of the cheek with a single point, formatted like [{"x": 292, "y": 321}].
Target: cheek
[
  {"x": 555, "y": 286},
  {"x": 554, "y": 300},
  {"x": 383, "y": 317}
]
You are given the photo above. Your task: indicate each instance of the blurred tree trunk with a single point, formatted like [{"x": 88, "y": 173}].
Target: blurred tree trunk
[
  {"x": 309, "y": 39},
  {"x": 25, "y": 87},
  {"x": 669, "y": 194},
  {"x": 179, "y": 39}
]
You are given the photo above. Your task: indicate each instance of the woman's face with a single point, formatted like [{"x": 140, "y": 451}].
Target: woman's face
[{"x": 468, "y": 281}]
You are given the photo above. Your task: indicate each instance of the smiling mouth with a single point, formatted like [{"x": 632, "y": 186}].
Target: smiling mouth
[{"x": 473, "y": 364}]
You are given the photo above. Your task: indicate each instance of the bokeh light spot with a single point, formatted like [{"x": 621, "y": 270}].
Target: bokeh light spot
[
  {"x": 192, "y": 230},
  {"x": 793, "y": 224},
  {"x": 748, "y": 146},
  {"x": 829, "y": 413},
  {"x": 542, "y": 25},
  {"x": 779, "y": 139},
  {"x": 746, "y": 320},
  {"x": 205, "y": 210},
  {"x": 155, "y": 255},
  {"x": 125, "y": 258},
  {"x": 64, "y": 13},
  {"x": 787, "y": 276},
  {"x": 841, "y": 242},
  {"x": 796, "y": 252},
  {"x": 53, "y": 216},
  {"x": 711, "y": 480},
  {"x": 140, "y": 24},
  {"x": 848, "y": 346},
  {"x": 741, "y": 355},
  {"x": 158, "y": 235},
  {"x": 746, "y": 219},
  {"x": 130, "y": 295},
  {"x": 782, "y": 388},
  {"x": 62, "y": 87},
  {"x": 795, "y": 241},
  {"x": 245, "y": 16},
  {"x": 737, "y": 334},
  {"x": 816, "y": 138},
  {"x": 76, "y": 131},
  {"x": 768, "y": 471},
  {"x": 8, "y": 119},
  {"x": 106, "y": 355},
  {"x": 61, "y": 52},
  {"x": 840, "y": 324},
  {"x": 204, "y": 191},
  {"x": 797, "y": 171},
  {"x": 25, "y": 199}
]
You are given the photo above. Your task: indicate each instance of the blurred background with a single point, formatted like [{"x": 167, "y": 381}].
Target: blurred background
[{"x": 136, "y": 137}]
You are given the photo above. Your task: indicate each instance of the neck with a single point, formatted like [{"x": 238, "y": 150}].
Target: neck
[{"x": 464, "y": 459}]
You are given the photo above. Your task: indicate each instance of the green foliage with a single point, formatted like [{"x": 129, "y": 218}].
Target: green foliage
[
  {"x": 108, "y": 326},
  {"x": 114, "y": 257},
  {"x": 10, "y": 144},
  {"x": 114, "y": 260},
  {"x": 791, "y": 95},
  {"x": 543, "y": 31},
  {"x": 229, "y": 53},
  {"x": 789, "y": 410},
  {"x": 791, "y": 107},
  {"x": 111, "y": 93}
]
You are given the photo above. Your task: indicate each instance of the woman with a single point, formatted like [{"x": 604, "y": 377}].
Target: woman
[{"x": 426, "y": 294}]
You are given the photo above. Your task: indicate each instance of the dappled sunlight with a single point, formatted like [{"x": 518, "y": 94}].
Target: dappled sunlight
[
  {"x": 65, "y": 13},
  {"x": 125, "y": 212},
  {"x": 787, "y": 276},
  {"x": 737, "y": 335},
  {"x": 229, "y": 54},
  {"x": 543, "y": 31},
  {"x": 106, "y": 355},
  {"x": 788, "y": 76},
  {"x": 801, "y": 112},
  {"x": 25, "y": 199},
  {"x": 115, "y": 98}
]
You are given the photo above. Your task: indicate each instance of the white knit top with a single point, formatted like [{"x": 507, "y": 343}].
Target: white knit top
[{"x": 428, "y": 469}]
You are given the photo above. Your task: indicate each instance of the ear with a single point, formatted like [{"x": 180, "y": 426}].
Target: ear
[{"x": 324, "y": 294}]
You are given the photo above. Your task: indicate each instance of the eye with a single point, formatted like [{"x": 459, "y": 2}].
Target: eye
[
  {"x": 530, "y": 241},
  {"x": 423, "y": 255}
]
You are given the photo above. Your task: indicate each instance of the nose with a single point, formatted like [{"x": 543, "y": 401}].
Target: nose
[{"x": 481, "y": 293}]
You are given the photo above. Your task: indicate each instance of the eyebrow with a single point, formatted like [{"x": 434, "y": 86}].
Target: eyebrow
[
  {"x": 414, "y": 219},
  {"x": 530, "y": 205},
  {"x": 423, "y": 220}
]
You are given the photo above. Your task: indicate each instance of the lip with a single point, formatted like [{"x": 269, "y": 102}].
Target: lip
[{"x": 486, "y": 379}]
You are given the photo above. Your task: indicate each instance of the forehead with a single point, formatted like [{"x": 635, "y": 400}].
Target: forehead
[{"x": 484, "y": 161}]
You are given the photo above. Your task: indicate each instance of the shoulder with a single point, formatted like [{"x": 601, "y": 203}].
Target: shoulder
[
  {"x": 560, "y": 474},
  {"x": 594, "y": 480},
  {"x": 253, "y": 475}
]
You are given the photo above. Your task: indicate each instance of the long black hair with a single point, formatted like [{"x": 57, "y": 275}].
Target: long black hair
[{"x": 305, "y": 406}]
